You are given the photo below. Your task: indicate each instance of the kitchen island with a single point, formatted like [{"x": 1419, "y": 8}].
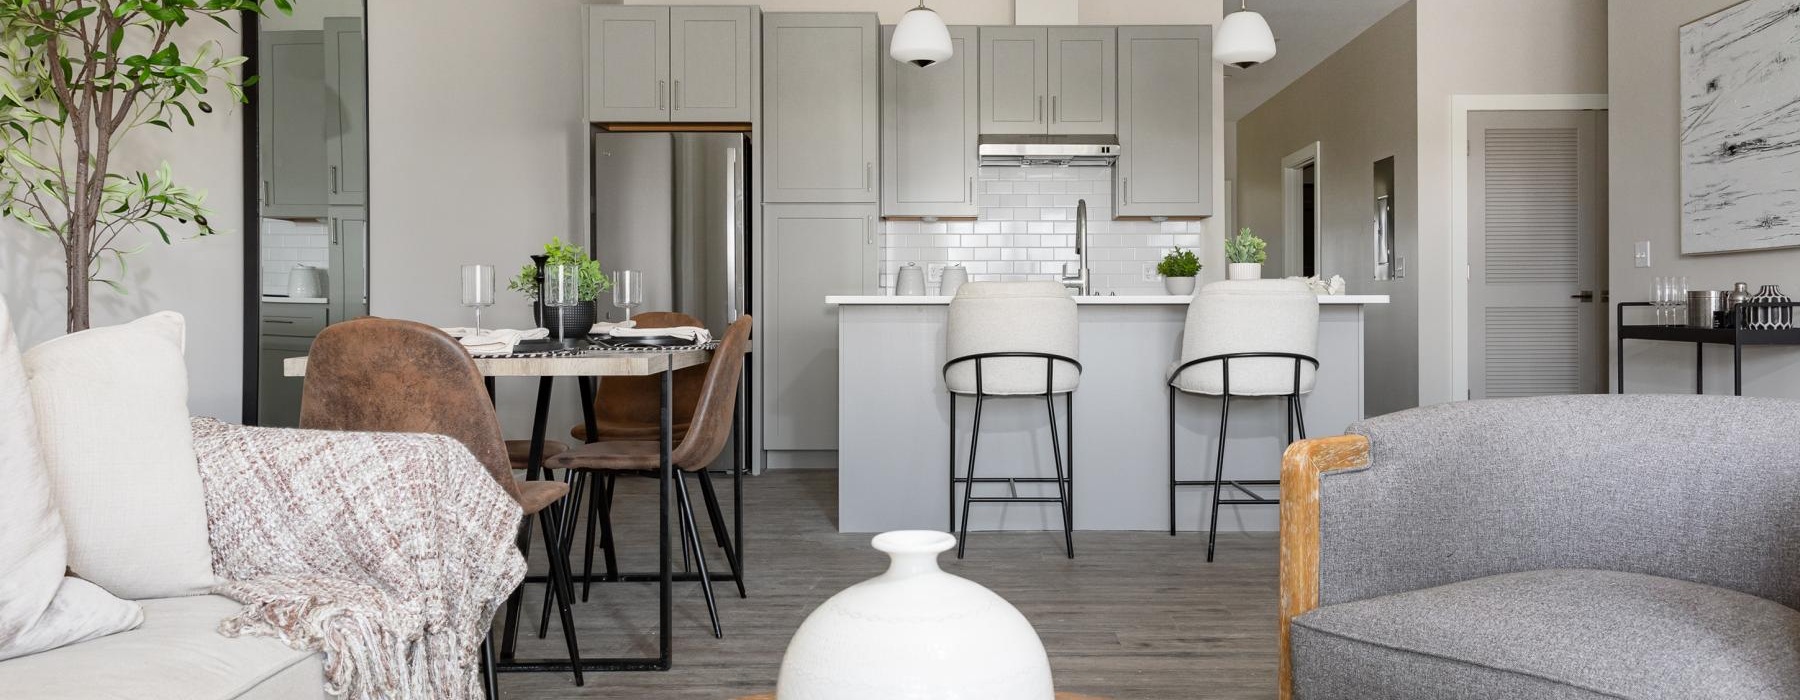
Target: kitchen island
[{"x": 894, "y": 415}]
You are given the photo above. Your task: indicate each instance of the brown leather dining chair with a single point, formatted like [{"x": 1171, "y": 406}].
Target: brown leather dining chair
[
  {"x": 387, "y": 375},
  {"x": 708, "y": 433}
]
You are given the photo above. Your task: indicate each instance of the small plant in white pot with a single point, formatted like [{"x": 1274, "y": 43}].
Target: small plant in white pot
[
  {"x": 1244, "y": 256},
  {"x": 1178, "y": 269}
]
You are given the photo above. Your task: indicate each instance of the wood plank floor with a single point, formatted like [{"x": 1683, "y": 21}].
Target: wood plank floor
[{"x": 1135, "y": 615}]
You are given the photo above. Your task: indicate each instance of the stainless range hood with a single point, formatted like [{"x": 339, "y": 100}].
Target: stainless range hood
[{"x": 1018, "y": 150}]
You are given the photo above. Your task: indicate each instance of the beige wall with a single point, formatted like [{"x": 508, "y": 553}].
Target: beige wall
[
  {"x": 200, "y": 278},
  {"x": 1484, "y": 47},
  {"x": 1646, "y": 205},
  {"x": 1357, "y": 106}
]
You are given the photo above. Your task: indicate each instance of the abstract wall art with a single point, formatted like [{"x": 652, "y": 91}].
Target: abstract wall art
[{"x": 1740, "y": 128}]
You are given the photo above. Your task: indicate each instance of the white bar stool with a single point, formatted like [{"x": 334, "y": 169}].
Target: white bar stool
[
  {"x": 1013, "y": 340},
  {"x": 1244, "y": 338}
]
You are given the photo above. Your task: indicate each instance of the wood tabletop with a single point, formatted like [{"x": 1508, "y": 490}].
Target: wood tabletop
[
  {"x": 1059, "y": 696},
  {"x": 596, "y": 364}
]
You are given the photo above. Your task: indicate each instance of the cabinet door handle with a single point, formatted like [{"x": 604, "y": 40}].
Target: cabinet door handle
[
  {"x": 1053, "y": 108},
  {"x": 334, "y": 179},
  {"x": 868, "y": 176},
  {"x": 869, "y": 229},
  {"x": 1125, "y": 195},
  {"x": 677, "y": 98},
  {"x": 334, "y": 231},
  {"x": 278, "y": 320},
  {"x": 1037, "y": 115},
  {"x": 662, "y": 95},
  {"x": 971, "y": 194},
  {"x": 265, "y": 191}
]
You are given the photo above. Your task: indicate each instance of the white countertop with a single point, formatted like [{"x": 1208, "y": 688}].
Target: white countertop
[
  {"x": 295, "y": 300},
  {"x": 1144, "y": 300}
]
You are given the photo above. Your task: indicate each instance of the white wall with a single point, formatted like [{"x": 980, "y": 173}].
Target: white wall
[
  {"x": 1357, "y": 104},
  {"x": 1485, "y": 47},
  {"x": 201, "y": 278},
  {"x": 1646, "y": 205}
]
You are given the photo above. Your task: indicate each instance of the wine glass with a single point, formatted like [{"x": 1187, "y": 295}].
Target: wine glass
[
  {"x": 562, "y": 289},
  {"x": 477, "y": 289},
  {"x": 628, "y": 290}
]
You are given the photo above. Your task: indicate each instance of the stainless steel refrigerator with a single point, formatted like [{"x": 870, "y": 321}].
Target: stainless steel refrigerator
[{"x": 674, "y": 206}]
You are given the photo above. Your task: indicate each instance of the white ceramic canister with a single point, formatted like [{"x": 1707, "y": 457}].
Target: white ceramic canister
[
  {"x": 951, "y": 279},
  {"x": 910, "y": 282},
  {"x": 303, "y": 281}
]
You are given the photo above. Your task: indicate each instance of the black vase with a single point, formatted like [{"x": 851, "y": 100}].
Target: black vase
[{"x": 577, "y": 319}]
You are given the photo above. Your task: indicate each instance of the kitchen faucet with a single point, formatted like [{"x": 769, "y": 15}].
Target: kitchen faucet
[{"x": 1077, "y": 282}]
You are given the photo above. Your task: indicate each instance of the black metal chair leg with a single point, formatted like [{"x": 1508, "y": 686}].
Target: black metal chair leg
[
  {"x": 510, "y": 627},
  {"x": 490, "y": 684},
  {"x": 1300, "y": 417},
  {"x": 595, "y": 494},
  {"x": 559, "y": 576},
  {"x": 692, "y": 532},
  {"x": 962, "y": 537},
  {"x": 606, "y": 528},
  {"x": 1062, "y": 493},
  {"x": 565, "y": 529},
  {"x": 1212, "y": 532},
  {"x": 718, "y": 522},
  {"x": 1171, "y": 461}
]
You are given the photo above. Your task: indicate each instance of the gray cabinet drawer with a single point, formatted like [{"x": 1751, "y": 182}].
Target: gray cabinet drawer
[{"x": 298, "y": 320}]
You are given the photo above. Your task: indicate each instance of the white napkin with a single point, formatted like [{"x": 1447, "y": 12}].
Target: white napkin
[
  {"x": 693, "y": 334},
  {"x": 605, "y": 327},
  {"x": 494, "y": 341}
]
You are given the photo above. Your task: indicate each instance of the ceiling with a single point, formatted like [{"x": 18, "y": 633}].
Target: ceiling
[{"x": 1306, "y": 33}]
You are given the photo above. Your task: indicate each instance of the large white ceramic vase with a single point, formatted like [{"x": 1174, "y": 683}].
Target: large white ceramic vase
[{"x": 915, "y": 633}]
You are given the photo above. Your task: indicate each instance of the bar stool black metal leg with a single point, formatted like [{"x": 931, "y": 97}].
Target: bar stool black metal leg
[
  {"x": 1300, "y": 417},
  {"x": 951, "y": 510},
  {"x": 1212, "y": 532},
  {"x": 1069, "y": 438},
  {"x": 559, "y": 575},
  {"x": 490, "y": 684},
  {"x": 693, "y": 542},
  {"x": 1171, "y": 461},
  {"x": 962, "y": 537},
  {"x": 718, "y": 522},
  {"x": 1062, "y": 493}
]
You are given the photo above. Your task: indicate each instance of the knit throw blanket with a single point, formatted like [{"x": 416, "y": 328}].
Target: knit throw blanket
[{"x": 387, "y": 552}]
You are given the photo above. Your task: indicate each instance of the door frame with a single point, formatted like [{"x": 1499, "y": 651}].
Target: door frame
[
  {"x": 1456, "y": 269},
  {"x": 1293, "y": 212}
]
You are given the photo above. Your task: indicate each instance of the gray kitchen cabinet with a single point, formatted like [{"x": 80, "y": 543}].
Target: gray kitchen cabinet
[
  {"x": 627, "y": 63},
  {"x": 1165, "y": 122},
  {"x": 278, "y": 396},
  {"x": 710, "y": 66},
  {"x": 821, "y": 118},
  {"x": 929, "y": 129},
  {"x": 1083, "y": 68},
  {"x": 348, "y": 283},
  {"x": 291, "y": 124},
  {"x": 1015, "y": 80},
  {"x": 811, "y": 251},
  {"x": 346, "y": 111}
]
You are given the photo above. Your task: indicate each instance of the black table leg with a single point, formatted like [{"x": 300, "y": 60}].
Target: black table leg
[
  {"x": 1699, "y": 368},
  {"x": 588, "y": 420},
  {"x": 665, "y": 448},
  {"x": 540, "y": 422},
  {"x": 1737, "y": 368},
  {"x": 740, "y": 460},
  {"x": 1621, "y": 360}
]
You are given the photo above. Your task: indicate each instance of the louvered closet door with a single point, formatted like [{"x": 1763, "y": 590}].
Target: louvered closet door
[{"x": 1537, "y": 323}]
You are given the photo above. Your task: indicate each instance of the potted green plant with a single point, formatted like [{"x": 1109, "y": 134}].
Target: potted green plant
[
  {"x": 530, "y": 281},
  {"x": 1178, "y": 269},
  {"x": 1245, "y": 254}
]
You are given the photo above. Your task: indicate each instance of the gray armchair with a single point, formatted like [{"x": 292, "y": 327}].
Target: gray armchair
[{"x": 1568, "y": 547}]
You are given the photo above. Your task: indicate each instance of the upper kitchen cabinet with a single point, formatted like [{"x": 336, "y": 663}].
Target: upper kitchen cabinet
[
  {"x": 821, "y": 118},
  {"x": 1165, "y": 122},
  {"x": 1056, "y": 80},
  {"x": 292, "y": 124},
  {"x": 658, "y": 64},
  {"x": 346, "y": 111},
  {"x": 929, "y": 130}
]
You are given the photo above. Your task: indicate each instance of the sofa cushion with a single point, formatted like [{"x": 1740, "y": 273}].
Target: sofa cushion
[
  {"x": 112, "y": 419},
  {"x": 177, "y": 654},
  {"x": 40, "y": 608},
  {"x": 1562, "y": 633}
]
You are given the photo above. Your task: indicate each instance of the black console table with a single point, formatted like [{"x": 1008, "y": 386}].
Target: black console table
[{"x": 1737, "y": 337}]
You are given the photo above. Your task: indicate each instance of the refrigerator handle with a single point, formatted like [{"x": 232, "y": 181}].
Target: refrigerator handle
[{"x": 732, "y": 282}]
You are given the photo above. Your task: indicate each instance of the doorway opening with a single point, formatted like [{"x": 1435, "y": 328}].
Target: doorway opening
[
  {"x": 1301, "y": 213},
  {"x": 1537, "y": 253}
]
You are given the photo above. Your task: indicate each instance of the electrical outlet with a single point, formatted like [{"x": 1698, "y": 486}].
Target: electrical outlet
[
  {"x": 1150, "y": 272},
  {"x": 934, "y": 272},
  {"x": 1642, "y": 256}
]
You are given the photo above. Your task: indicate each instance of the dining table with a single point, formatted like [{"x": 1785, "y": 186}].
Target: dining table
[{"x": 587, "y": 362}]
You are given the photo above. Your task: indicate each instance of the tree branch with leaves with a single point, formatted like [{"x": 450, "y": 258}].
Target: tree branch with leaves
[{"x": 76, "y": 78}]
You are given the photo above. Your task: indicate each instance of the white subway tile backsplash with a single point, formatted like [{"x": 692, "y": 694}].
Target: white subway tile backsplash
[{"x": 1026, "y": 231}]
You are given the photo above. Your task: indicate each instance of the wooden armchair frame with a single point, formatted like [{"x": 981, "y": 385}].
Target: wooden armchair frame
[{"x": 1301, "y": 466}]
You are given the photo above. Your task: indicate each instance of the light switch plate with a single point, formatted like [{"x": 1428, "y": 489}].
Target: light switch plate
[
  {"x": 1642, "y": 256},
  {"x": 934, "y": 272},
  {"x": 1150, "y": 272}
]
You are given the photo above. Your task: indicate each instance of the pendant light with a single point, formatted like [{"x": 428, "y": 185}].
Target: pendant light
[
  {"x": 921, "y": 38},
  {"x": 1244, "y": 39}
]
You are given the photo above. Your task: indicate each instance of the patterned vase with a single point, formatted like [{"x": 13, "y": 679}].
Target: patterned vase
[{"x": 1769, "y": 310}]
